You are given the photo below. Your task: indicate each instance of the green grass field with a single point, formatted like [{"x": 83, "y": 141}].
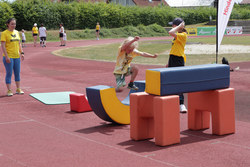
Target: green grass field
[{"x": 108, "y": 52}]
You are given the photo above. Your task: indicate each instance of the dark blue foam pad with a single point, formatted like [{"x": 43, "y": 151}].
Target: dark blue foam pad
[
  {"x": 176, "y": 80},
  {"x": 140, "y": 85},
  {"x": 93, "y": 94}
]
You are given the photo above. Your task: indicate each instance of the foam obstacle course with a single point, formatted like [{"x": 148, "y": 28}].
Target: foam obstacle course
[
  {"x": 107, "y": 106},
  {"x": 155, "y": 112}
]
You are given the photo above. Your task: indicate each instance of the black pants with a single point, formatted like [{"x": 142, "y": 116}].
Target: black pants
[{"x": 177, "y": 61}]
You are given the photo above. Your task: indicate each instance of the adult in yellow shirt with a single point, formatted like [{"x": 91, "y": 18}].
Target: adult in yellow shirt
[
  {"x": 35, "y": 33},
  {"x": 97, "y": 30},
  {"x": 12, "y": 51},
  {"x": 177, "y": 56}
]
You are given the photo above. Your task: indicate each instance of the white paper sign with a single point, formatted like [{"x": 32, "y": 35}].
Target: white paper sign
[{"x": 234, "y": 30}]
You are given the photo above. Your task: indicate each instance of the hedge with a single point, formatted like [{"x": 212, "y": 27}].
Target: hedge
[{"x": 81, "y": 15}]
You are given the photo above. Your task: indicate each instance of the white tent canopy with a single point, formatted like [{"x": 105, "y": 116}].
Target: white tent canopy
[{"x": 183, "y": 3}]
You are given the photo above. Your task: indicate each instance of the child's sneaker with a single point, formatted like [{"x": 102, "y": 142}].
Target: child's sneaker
[
  {"x": 9, "y": 93},
  {"x": 19, "y": 91},
  {"x": 183, "y": 108},
  {"x": 132, "y": 86}
]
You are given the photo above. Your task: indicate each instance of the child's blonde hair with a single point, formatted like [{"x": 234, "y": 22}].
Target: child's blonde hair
[{"x": 133, "y": 45}]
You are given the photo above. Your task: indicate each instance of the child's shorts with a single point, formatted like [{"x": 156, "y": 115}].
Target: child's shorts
[{"x": 120, "y": 78}]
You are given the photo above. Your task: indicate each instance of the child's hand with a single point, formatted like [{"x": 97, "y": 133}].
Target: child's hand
[
  {"x": 182, "y": 25},
  {"x": 136, "y": 38},
  {"x": 155, "y": 55}
]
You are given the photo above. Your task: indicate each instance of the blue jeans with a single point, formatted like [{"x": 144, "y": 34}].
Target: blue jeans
[{"x": 9, "y": 67}]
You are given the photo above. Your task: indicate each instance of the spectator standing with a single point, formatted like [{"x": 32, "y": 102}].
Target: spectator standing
[
  {"x": 61, "y": 32},
  {"x": 64, "y": 38},
  {"x": 97, "y": 30},
  {"x": 23, "y": 38},
  {"x": 177, "y": 56},
  {"x": 42, "y": 35},
  {"x": 35, "y": 33},
  {"x": 12, "y": 55}
]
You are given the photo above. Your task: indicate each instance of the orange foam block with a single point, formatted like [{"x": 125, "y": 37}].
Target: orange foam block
[
  {"x": 219, "y": 103},
  {"x": 79, "y": 103},
  {"x": 155, "y": 117}
]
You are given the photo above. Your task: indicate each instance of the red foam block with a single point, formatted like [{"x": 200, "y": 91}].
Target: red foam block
[{"x": 79, "y": 103}]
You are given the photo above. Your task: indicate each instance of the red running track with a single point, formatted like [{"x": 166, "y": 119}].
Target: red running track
[{"x": 36, "y": 135}]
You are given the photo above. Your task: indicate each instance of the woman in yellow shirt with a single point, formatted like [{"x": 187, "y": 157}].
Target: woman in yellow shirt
[
  {"x": 177, "y": 56},
  {"x": 12, "y": 49},
  {"x": 97, "y": 30},
  {"x": 35, "y": 33}
]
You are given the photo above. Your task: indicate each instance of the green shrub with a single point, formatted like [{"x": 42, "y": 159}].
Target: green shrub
[
  {"x": 6, "y": 12},
  {"x": 82, "y": 15}
]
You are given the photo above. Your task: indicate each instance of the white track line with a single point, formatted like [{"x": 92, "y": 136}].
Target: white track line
[
  {"x": 14, "y": 160},
  {"x": 100, "y": 143},
  {"x": 218, "y": 141},
  {"x": 14, "y": 122}
]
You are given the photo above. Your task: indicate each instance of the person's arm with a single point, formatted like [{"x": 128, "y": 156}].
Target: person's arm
[
  {"x": 145, "y": 54},
  {"x": 173, "y": 31},
  {"x": 3, "y": 45},
  {"x": 129, "y": 43}
]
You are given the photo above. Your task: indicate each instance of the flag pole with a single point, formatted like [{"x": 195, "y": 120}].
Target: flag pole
[{"x": 217, "y": 46}]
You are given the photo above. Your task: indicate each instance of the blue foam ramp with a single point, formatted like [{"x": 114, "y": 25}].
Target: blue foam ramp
[{"x": 140, "y": 85}]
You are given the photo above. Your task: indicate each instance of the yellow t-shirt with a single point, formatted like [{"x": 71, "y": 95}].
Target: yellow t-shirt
[
  {"x": 97, "y": 27},
  {"x": 35, "y": 30},
  {"x": 178, "y": 45},
  {"x": 11, "y": 39},
  {"x": 123, "y": 60}
]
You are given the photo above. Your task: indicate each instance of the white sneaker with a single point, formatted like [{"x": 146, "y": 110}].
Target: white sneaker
[{"x": 183, "y": 108}]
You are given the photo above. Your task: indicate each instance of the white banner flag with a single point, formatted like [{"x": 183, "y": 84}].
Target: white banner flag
[{"x": 224, "y": 11}]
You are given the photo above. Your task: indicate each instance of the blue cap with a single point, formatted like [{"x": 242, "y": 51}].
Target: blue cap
[{"x": 176, "y": 21}]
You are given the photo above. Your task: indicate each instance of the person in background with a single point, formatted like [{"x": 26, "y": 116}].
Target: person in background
[
  {"x": 12, "y": 55},
  {"x": 127, "y": 51},
  {"x": 23, "y": 38},
  {"x": 97, "y": 30},
  {"x": 35, "y": 33},
  {"x": 177, "y": 56},
  {"x": 61, "y": 32},
  {"x": 42, "y": 35},
  {"x": 64, "y": 38}
]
